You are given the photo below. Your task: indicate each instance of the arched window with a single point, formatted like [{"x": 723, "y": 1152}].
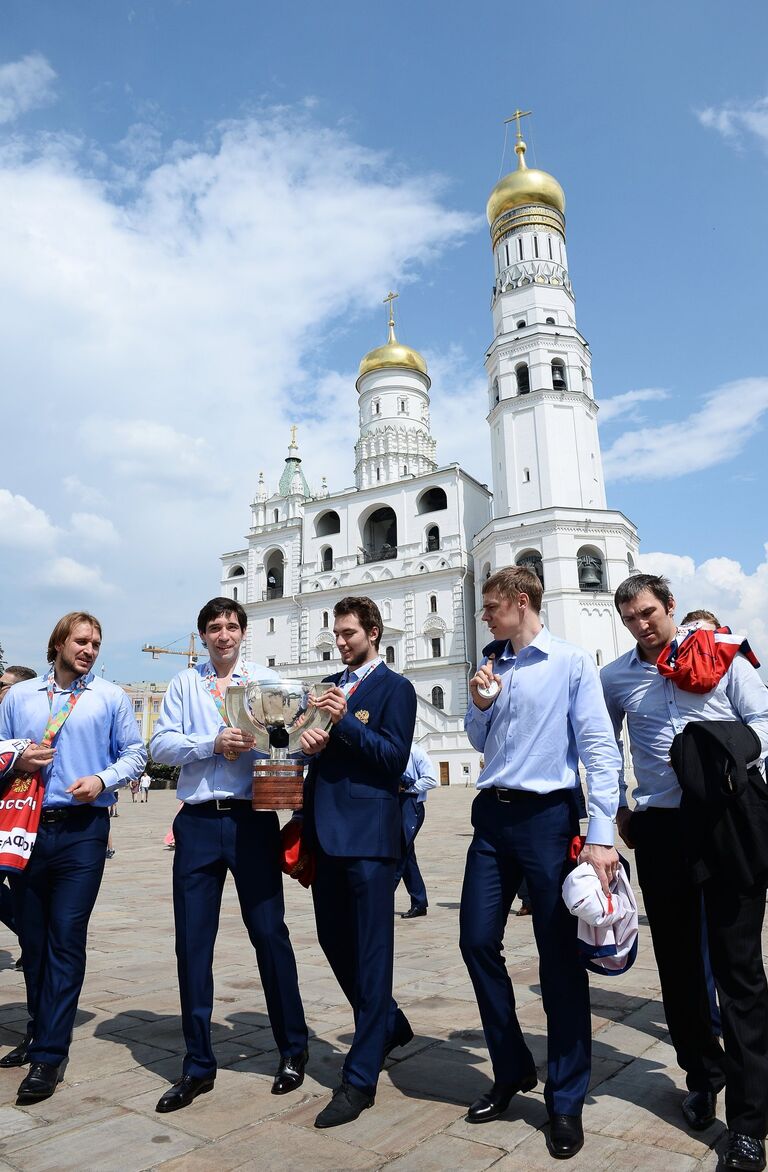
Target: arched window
[
  {"x": 433, "y": 539},
  {"x": 275, "y": 571},
  {"x": 326, "y": 558},
  {"x": 550, "y": 321},
  {"x": 486, "y": 571},
  {"x": 234, "y": 593},
  {"x": 531, "y": 559},
  {"x": 630, "y": 563},
  {"x": 432, "y": 501},
  {"x": 275, "y": 515},
  {"x": 523, "y": 378},
  {"x": 325, "y": 618},
  {"x": 378, "y": 473},
  {"x": 591, "y": 570},
  {"x": 389, "y": 655},
  {"x": 379, "y": 536},
  {"x": 438, "y": 698},
  {"x": 521, "y": 323},
  {"x": 271, "y": 626},
  {"x": 328, "y": 523},
  {"x": 558, "y": 375},
  {"x": 495, "y": 394},
  {"x": 236, "y": 572},
  {"x": 433, "y": 604},
  {"x": 405, "y": 469},
  {"x": 526, "y": 476}
]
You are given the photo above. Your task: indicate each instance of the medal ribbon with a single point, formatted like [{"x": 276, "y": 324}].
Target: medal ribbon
[
  {"x": 55, "y": 723},
  {"x": 212, "y": 687}
]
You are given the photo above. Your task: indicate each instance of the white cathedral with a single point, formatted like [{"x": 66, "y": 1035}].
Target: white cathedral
[{"x": 421, "y": 537}]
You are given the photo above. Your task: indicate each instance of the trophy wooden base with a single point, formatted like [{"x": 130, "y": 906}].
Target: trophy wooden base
[{"x": 278, "y": 785}]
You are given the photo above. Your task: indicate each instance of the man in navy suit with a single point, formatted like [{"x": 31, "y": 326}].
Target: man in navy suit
[{"x": 352, "y": 821}]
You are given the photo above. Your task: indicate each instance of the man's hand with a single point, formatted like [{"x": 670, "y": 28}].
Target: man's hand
[
  {"x": 334, "y": 702},
  {"x": 623, "y": 816},
  {"x": 483, "y": 679},
  {"x": 34, "y": 758},
  {"x": 231, "y": 742},
  {"x": 314, "y": 741},
  {"x": 85, "y": 789},
  {"x": 604, "y": 860}
]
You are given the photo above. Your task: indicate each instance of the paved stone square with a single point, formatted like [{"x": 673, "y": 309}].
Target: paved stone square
[{"x": 128, "y": 1045}]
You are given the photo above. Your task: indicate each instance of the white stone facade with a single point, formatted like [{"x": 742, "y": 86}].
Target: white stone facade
[{"x": 419, "y": 538}]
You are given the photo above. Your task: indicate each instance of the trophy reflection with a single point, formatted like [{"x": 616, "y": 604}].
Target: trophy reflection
[{"x": 276, "y": 713}]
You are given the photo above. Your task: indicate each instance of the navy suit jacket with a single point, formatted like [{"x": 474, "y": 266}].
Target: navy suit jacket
[{"x": 351, "y": 805}]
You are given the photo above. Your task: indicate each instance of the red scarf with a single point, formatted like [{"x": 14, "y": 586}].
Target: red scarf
[{"x": 697, "y": 660}]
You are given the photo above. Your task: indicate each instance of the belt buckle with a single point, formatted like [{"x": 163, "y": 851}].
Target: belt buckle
[
  {"x": 502, "y": 795},
  {"x": 223, "y": 803}
]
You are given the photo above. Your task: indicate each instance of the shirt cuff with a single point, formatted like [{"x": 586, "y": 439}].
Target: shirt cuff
[
  {"x": 600, "y": 831},
  {"x": 109, "y": 781}
]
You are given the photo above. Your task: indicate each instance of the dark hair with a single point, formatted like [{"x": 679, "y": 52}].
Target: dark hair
[
  {"x": 635, "y": 584},
  {"x": 64, "y": 628},
  {"x": 514, "y": 581},
  {"x": 217, "y": 607},
  {"x": 365, "y": 610},
  {"x": 22, "y": 673},
  {"x": 693, "y": 616}
]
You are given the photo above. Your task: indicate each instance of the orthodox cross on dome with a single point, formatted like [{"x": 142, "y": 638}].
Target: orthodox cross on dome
[
  {"x": 519, "y": 144},
  {"x": 391, "y": 298},
  {"x": 293, "y": 443}
]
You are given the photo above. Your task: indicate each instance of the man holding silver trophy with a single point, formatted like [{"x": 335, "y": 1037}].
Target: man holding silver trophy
[
  {"x": 352, "y": 822},
  {"x": 216, "y": 831}
]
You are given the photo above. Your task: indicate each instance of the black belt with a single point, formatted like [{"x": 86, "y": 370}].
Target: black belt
[
  {"x": 225, "y": 804},
  {"x": 53, "y": 814},
  {"x": 513, "y": 795}
]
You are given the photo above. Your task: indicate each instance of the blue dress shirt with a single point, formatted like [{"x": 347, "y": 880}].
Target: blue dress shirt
[
  {"x": 186, "y": 730},
  {"x": 100, "y": 736},
  {"x": 657, "y": 710},
  {"x": 549, "y": 714},
  {"x": 419, "y": 777}
]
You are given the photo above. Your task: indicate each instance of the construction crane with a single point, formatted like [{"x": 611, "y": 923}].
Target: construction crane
[{"x": 191, "y": 652}]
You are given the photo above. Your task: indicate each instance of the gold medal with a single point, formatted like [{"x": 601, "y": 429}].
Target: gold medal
[{"x": 363, "y": 715}]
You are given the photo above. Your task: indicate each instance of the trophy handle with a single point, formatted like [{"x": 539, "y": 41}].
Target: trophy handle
[{"x": 239, "y": 717}]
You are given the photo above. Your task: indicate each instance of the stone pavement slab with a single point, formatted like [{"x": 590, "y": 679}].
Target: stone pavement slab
[{"x": 127, "y": 1044}]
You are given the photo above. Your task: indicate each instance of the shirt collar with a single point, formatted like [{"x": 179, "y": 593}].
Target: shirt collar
[
  {"x": 82, "y": 681},
  {"x": 542, "y": 643},
  {"x": 357, "y": 672},
  {"x": 207, "y": 668}
]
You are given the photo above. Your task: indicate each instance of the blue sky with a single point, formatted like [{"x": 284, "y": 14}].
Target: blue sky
[{"x": 155, "y": 320}]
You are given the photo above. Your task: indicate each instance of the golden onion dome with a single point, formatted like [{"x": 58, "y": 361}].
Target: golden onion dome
[
  {"x": 392, "y": 353},
  {"x": 526, "y": 185}
]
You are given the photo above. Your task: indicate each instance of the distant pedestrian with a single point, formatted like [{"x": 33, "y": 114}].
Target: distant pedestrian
[
  {"x": 419, "y": 778},
  {"x": 144, "y": 785}
]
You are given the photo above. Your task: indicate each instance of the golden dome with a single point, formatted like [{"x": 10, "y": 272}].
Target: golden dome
[
  {"x": 392, "y": 353},
  {"x": 524, "y": 186}
]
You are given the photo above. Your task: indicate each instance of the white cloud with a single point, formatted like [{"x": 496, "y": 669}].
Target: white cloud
[
  {"x": 72, "y": 577},
  {"x": 625, "y": 406},
  {"x": 91, "y": 529},
  {"x": 738, "y": 118},
  {"x": 738, "y": 598},
  {"x": 147, "y": 453},
  {"x": 185, "y": 304},
  {"x": 23, "y": 525},
  {"x": 24, "y": 85},
  {"x": 712, "y": 435}
]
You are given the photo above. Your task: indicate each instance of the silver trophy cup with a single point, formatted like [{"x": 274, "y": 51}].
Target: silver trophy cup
[{"x": 276, "y": 713}]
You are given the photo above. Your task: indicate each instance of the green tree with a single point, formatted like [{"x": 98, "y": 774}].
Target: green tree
[{"x": 164, "y": 775}]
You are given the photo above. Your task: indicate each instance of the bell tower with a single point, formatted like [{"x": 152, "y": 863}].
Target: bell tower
[{"x": 550, "y": 510}]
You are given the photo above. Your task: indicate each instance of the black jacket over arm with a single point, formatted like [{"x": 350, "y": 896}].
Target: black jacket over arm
[{"x": 725, "y": 804}]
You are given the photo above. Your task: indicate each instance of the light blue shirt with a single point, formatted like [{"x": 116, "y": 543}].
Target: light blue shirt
[
  {"x": 349, "y": 679},
  {"x": 657, "y": 710},
  {"x": 549, "y": 714},
  {"x": 100, "y": 736},
  {"x": 419, "y": 777},
  {"x": 185, "y": 733}
]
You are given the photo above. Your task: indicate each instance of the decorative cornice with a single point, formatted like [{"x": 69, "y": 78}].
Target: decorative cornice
[{"x": 531, "y": 272}]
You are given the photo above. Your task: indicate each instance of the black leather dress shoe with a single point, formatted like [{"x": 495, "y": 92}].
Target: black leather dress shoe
[
  {"x": 698, "y": 1107},
  {"x": 290, "y": 1073},
  {"x": 495, "y": 1101},
  {"x": 40, "y": 1083},
  {"x": 403, "y": 1036},
  {"x": 347, "y": 1103},
  {"x": 744, "y": 1152},
  {"x": 566, "y": 1136},
  {"x": 184, "y": 1091},
  {"x": 412, "y": 913},
  {"x": 18, "y": 1055}
]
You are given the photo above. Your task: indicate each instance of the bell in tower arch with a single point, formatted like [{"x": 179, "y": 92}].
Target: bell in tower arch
[{"x": 590, "y": 572}]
